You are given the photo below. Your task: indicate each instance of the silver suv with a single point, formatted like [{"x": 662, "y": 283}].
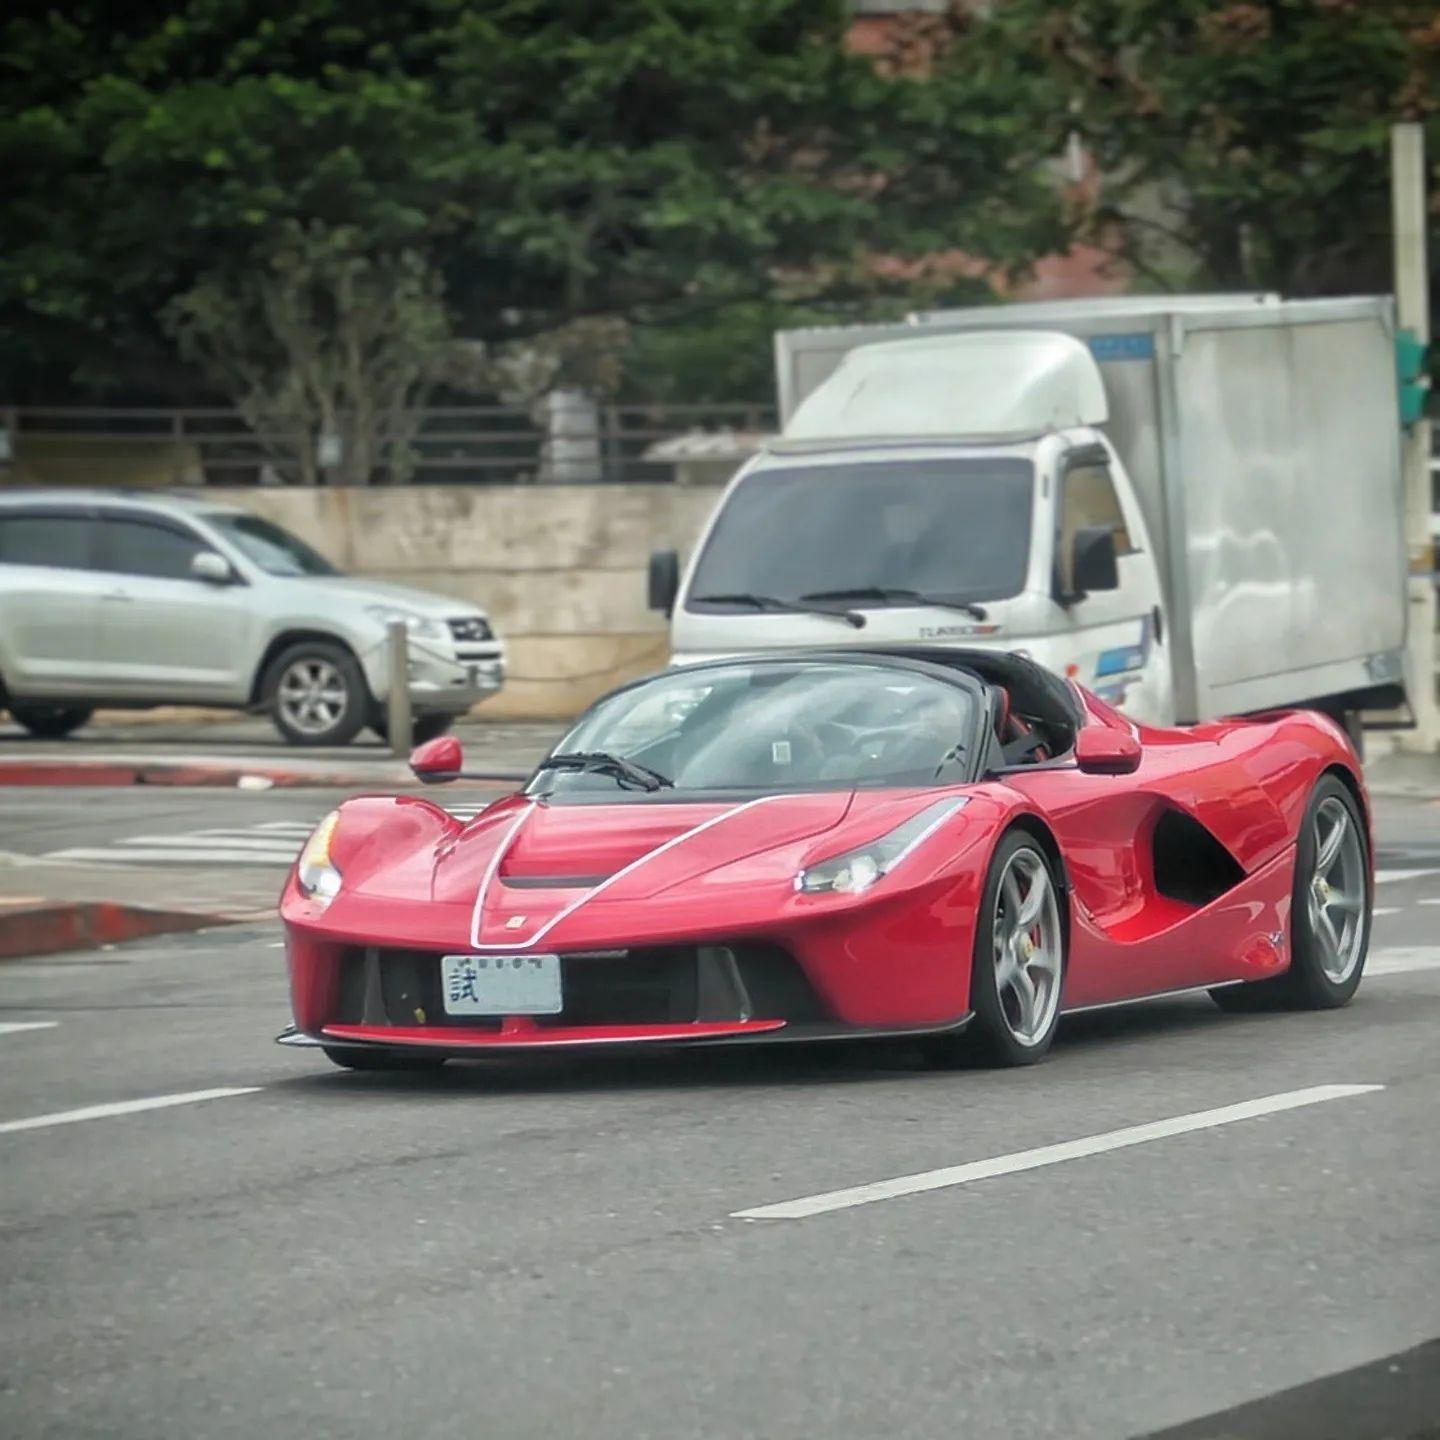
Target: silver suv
[{"x": 133, "y": 601}]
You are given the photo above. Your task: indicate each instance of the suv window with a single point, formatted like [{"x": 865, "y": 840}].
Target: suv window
[
  {"x": 61, "y": 541},
  {"x": 141, "y": 547}
]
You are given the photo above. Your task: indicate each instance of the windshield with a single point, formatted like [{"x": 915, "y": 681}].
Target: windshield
[
  {"x": 275, "y": 551},
  {"x": 774, "y": 726},
  {"x": 957, "y": 528}
]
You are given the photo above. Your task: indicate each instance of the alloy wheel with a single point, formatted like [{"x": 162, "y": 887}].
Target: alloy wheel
[
  {"x": 312, "y": 695},
  {"x": 1028, "y": 947},
  {"x": 1336, "y": 894}
]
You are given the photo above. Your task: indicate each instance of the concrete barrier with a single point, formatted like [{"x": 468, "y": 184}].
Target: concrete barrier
[{"x": 559, "y": 568}]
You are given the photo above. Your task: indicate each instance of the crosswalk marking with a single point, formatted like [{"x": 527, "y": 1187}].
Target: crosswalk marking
[{"x": 268, "y": 842}]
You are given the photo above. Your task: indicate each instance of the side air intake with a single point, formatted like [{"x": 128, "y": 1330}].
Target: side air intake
[{"x": 1191, "y": 865}]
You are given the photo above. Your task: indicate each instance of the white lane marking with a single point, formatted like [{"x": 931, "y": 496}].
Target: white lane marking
[
  {"x": 181, "y": 855},
  {"x": 121, "y": 1107},
  {"x": 1048, "y": 1154},
  {"x": 274, "y": 845},
  {"x": 1402, "y": 960},
  {"x": 1391, "y": 877},
  {"x": 1389, "y": 909},
  {"x": 290, "y": 827},
  {"x": 1430, "y": 902},
  {"x": 13, "y": 1027}
]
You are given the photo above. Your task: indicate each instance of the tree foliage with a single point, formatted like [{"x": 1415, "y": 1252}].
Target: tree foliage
[
  {"x": 550, "y": 160},
  {"x": 1240, "y": 143}
]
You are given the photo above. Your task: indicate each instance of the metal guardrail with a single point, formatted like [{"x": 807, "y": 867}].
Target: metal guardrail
[{"x": 449, "y": 444}]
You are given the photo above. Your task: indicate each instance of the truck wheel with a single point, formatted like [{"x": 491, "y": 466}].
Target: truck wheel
[
  {"x": 51, "y": 722},
  {"x": 422, "y": 728},
  {"x": 316, "y": 694}
]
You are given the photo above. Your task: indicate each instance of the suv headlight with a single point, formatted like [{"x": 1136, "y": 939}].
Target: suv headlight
[
  {"x": 314, "y": 872},
  {"x": 859, "y": 869},
  {"x": 421, "y": 626}
]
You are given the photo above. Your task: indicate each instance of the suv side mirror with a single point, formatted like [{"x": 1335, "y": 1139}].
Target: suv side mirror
[
  {"x": 1100, "y": 750},
  {"x": 664, "y": 579},
  {"x": 1093, "y": 564},
  {"x": 212, "y": 568},
  {"x": 437, "y": 760}
]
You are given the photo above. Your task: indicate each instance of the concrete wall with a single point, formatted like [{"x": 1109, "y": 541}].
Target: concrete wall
[{"x": 559, "y": 568}]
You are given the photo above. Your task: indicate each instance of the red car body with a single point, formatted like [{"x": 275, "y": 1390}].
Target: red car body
[{"x": 1175, "y": 876}]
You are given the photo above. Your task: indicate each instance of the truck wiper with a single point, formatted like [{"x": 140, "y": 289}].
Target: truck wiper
[
  {"x": 899, "y": 592},
  {"x": 802, "y": 606},
  {"x": 603, "y": 763}
]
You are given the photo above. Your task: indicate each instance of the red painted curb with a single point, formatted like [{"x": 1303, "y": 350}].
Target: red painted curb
[
  {"x": 102, "y": 773},
  {"x": 54, "y": 925}
]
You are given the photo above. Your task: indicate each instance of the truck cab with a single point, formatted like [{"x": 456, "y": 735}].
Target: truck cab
[{"x": 1026, "y": 537}]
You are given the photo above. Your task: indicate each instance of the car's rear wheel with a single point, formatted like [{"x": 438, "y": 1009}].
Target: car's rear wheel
[
  {"x": 1019, "y": 962},
  {"x": 1330, "y": 910},
  {"x": 422, "y": 728},
  {"x": 316, "y": 694},
  {"x": 348, "y": 1058},
  {"x": 51, "y": 722}
]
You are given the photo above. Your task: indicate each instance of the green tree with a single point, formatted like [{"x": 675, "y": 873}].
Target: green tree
[
  {"x": 1240, "y": 143},
  {"x": 657, "y": 161}
]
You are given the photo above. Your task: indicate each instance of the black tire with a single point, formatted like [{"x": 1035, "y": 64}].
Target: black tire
[
  {"x": 1309, "y": 983},
  {"x": 422, "y": 728},
  {"x": 51, "y": 722},
  {"x": 339, "y": 680},
  {"x": 357, "y": 1059},
  {"x": 992, "y": 1035}
]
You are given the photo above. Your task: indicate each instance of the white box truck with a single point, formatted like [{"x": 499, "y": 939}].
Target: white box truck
[{"x": 1192, "y": 505}]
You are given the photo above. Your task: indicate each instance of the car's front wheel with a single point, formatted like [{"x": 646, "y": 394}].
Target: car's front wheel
[
  {"x": 316, "y": 694},
  {"x": 51, "y": 722},
  {"x": 1019, "y": 962}
]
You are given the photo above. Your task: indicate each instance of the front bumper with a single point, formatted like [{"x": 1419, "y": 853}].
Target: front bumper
[{"x": 444, "y": 678}]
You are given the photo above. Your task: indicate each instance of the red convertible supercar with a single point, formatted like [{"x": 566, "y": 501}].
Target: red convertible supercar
[{"x": 952, "y": 845}]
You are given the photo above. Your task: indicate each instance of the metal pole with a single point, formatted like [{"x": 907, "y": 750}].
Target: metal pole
[
  {"x": 1412, "y": 312},
  {"x": 398, "y": 702}
]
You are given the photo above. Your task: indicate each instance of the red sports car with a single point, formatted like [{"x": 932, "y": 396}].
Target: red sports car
[{"x": 950, "y": 845}]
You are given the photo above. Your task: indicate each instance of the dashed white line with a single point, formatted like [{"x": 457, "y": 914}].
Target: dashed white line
[
  {"x": 1391, "y": 877},
  {"x": 181, "y": 855},
  {"x": 120, "y": 1107},
  {"x": 1049, "y": 1154},
  {"x": 1402, "y": 960},
  {"x": 13, "y": 1027}
]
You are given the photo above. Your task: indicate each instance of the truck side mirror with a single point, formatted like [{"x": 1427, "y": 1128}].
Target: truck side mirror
[
  {"x": 664, "y": 579},
  {"x": 1093, "y": 563}
]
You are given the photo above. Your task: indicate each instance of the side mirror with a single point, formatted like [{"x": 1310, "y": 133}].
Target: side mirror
[
  {"x": 437, "y": 760},
  {"x": 212, "y": 568},
  {"x": 1099, "y": 750},
  {"x": 664, "y": 579},
  {"x": 1093, "y": 564}
]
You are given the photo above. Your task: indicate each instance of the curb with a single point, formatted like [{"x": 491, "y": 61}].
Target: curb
[
  {"x": 45, "y": 927},
  {"x": 104, "y": 773}
]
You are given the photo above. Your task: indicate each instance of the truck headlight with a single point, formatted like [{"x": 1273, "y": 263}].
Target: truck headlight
[
  {"x": 314, "y": 872},
  {"x": 859, "y": 869},
  {"x": 421, "y": 626}
]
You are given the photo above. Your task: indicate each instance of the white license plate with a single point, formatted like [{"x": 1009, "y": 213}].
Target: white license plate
[{"x": 500, "y": 984}]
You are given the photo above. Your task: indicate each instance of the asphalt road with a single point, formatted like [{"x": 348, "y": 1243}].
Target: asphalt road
[{"x": 550, "y": 1247}]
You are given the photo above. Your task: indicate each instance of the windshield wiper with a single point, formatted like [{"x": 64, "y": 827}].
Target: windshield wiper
[
  {"x": 795, "y": 607},
  {"x": 899, "y": 592},
  {"x": 603, "y": 763}
]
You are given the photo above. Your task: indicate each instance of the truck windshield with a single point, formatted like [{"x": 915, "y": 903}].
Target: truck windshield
[{"x": 952, "y": 528}]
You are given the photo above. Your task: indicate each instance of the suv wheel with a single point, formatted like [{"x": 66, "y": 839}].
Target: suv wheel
[
  {"x": 316, "y": 694},
  {"x": 51, "y": 722},
  {"x": 422, "y": 728}
]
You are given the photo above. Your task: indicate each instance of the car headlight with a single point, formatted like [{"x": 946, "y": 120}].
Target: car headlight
[
  {"x": 421, "y": 626},
  {"x": 314, "y": 871},
  {"x": 859, "y": 869}
]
